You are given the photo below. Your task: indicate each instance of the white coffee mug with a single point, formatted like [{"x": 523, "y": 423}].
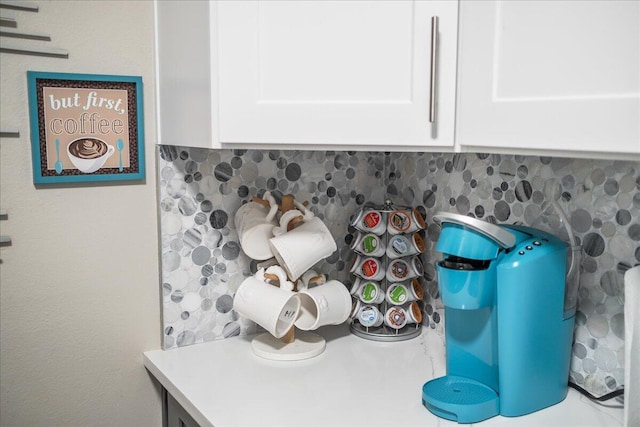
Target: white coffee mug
[
  {"x": 295, "y": 215},
  {"x": 275, "y": 309},
  {"x": 301, "y": 248},
  {"x": 277, "y": 271},
  {"x": 327, "y": 304},
  {"x": 254, "y": 223},
  {"x": 310, "y": 278}
]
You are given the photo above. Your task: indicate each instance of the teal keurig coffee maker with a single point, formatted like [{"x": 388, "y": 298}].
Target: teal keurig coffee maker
[{"x": 508, "y": 324}]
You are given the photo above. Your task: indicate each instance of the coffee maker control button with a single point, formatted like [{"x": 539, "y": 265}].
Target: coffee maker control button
[
  {"x": 528, "y": 247},
  {"x": 536, "y": 243},
  {"x": 520, "y": 252}
]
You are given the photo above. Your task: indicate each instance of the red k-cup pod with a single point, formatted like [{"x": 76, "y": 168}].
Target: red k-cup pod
[{"x": 369, "y": 221}]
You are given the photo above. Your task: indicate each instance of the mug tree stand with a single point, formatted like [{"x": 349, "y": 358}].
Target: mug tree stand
[
  {"x": 294, "y": 345},
  {"x": 304, "y": 345}
]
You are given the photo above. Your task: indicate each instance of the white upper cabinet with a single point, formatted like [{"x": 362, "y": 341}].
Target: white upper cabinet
[
  {"x": 335, "y": 73},
  {"x": 549, "y": 75},
  {"x": 183, "y": 73}
]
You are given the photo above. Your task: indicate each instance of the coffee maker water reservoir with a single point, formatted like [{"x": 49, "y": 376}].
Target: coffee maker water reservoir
[{"x": 508, "y": 338}]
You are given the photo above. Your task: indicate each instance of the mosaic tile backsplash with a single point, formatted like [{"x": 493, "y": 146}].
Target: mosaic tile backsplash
[{"x": 203, "y": 263}]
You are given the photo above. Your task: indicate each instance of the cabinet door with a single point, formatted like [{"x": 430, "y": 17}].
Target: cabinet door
[
  {"x": 334, "y": 72},
  {"x": 552, "y": 75},
  {"x": 183, "y": 73},
  {"x": 176, "y": 415}
]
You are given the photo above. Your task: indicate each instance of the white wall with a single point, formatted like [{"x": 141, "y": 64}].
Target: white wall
[{"x": 79, "y": 286}]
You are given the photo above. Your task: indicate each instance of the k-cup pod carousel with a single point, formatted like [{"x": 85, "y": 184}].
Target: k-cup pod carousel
[{"x": 387, "y": 272}]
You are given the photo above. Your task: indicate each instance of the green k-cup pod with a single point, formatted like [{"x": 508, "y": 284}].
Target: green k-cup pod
[
  {"x": 370, "y": 293},
  {"x": 397, "y": 294},
  {"x": 370, "y": 244}
]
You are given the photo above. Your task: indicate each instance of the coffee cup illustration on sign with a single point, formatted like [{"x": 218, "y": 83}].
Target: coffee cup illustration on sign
[{"x": 89, "y": 154}]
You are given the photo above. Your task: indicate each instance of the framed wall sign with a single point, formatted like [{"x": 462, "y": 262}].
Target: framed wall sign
[{"x": 85, "y": 127}]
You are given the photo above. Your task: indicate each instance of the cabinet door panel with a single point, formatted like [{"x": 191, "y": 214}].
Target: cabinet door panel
[
  {"x": 176, "y": 415},
  {"x": 333, "y": 72},
  {"x": 561, "y": 75},
  {"x": 183, "y": 73}
]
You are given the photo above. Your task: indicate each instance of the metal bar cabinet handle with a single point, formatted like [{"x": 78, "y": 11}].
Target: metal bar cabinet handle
[{"x": 434, "y": 67}]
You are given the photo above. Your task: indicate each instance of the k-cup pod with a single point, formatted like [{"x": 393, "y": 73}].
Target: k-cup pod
[
  {"x": 418, "y": 290},
  {"x": 353, "y": 290},
  {"x": 395, "y": 318},
  {"x": 369, "y": 316},
  {"x": 369, "y": 221},
  {"x": 402, "y": 245},
  {"x": 405, "y": 221},
  {"x": 415, "y": 313},
  {"x": 367, "y": 268},
  {"x": 355, "y": 287},
  {"x": 356, "y": 305},
  {"x": 404, "y": 269},
  {"x": 368, "y": 245},
  {"x": 398, "y": 317},
  {"x": 273, "y": 308},
  {"x": 399, "y": 293},
  {"x": 370, "y": 292},
  {"x": 328, "y": 304}
]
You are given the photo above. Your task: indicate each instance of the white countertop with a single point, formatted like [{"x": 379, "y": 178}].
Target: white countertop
[{"x": 354, "y": 382}]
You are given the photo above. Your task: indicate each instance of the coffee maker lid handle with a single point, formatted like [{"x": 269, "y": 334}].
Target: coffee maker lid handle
[{"x": 496, "y": 233}]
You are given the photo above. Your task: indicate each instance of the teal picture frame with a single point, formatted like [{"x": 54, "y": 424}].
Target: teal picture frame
[{"x": 86, "y": 127}]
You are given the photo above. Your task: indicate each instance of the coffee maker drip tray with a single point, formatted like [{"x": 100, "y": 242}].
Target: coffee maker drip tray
[{"x": 460, "y": 399}]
